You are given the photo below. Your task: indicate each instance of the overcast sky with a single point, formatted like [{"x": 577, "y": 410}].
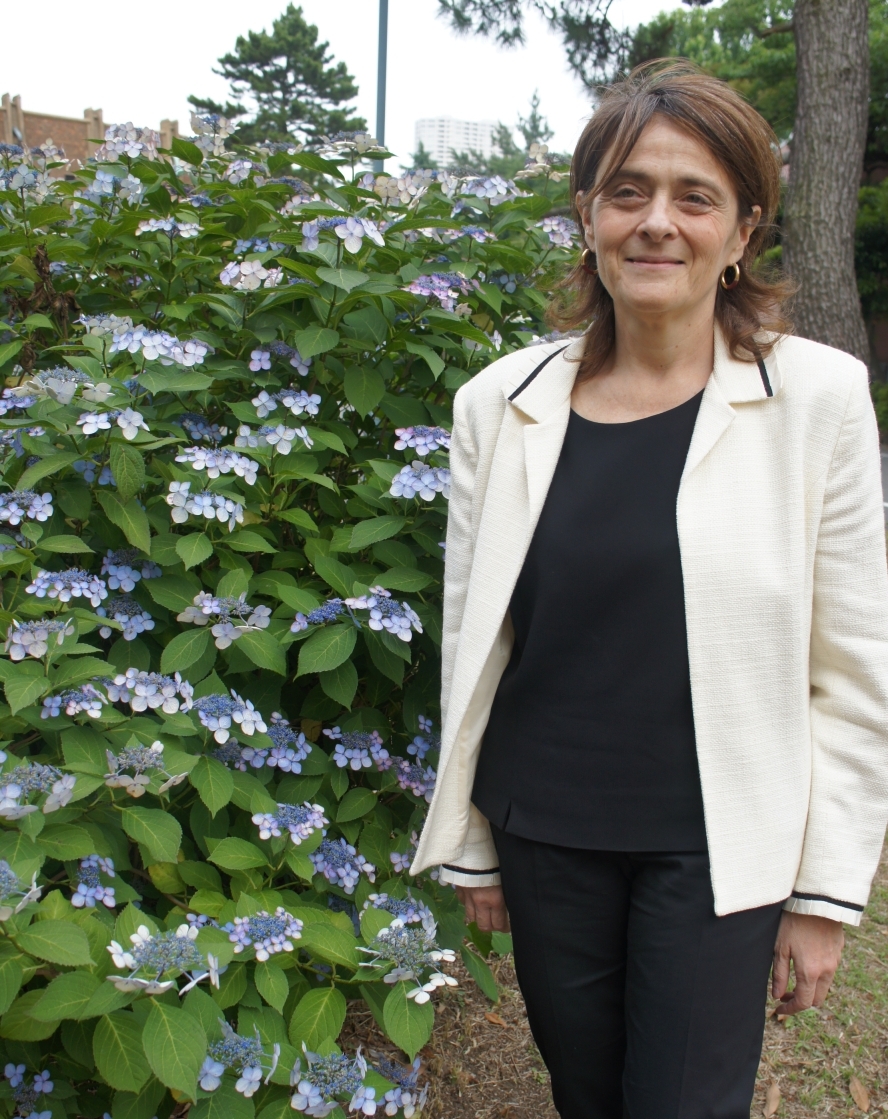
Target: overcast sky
[{"x": 140, "y": 62}]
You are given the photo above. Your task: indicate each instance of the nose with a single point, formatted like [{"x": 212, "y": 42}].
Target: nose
[{"x": 656, "y": 221}]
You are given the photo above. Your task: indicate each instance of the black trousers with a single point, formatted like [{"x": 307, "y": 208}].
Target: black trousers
[{"x": 643, "y": 1003}]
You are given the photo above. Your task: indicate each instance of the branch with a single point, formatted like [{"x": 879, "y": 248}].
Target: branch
[{"x": 777, "y": 29}]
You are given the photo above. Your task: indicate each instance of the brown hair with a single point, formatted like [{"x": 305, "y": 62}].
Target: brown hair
[{"x": 746, "y": 147}]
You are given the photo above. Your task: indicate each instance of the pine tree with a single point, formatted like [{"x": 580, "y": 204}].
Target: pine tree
[{"x": 295, "y": 89}]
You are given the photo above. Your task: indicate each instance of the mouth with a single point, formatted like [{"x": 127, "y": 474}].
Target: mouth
[{"x": 654, "y": 261}]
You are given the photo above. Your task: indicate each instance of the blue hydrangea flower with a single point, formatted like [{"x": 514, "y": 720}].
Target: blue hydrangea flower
[
  {"x": 300, "y": 820},
  {"x": 420, "y": 480},
  {"x": 341, "y": 864},
  {"x": 267, "y": 933},
  {"x": 90, "y": 887}
]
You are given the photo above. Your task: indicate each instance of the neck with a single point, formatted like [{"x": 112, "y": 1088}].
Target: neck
[{"x": 664, "y": 347}]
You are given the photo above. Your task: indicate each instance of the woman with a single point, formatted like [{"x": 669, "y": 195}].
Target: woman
[{"x": 666, "y": 619}]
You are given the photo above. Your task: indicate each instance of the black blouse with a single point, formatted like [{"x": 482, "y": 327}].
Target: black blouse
[{"x": 590, "y": 741}]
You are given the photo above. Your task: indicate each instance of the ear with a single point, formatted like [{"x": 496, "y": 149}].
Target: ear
[
  {"x": 748, "y": 225},
  {"x": 585, "y": 211}
]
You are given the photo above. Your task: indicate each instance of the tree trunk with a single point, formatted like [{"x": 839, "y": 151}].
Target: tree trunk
[{"x": 825, "y": 170}]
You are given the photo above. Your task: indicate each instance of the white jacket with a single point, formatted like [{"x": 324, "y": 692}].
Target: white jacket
[{"x": 782, "y": 537}]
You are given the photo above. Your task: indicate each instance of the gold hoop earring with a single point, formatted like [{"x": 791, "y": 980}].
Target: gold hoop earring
[
  {"x": 584, "y": 261},
  {"x": 729, "y": 285}
]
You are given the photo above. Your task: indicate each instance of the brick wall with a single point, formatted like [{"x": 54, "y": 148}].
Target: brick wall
[{"x": 78, "y": 137}]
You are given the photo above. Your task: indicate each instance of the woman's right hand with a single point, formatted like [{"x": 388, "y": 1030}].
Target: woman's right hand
[{"x": 485, "y": 907}]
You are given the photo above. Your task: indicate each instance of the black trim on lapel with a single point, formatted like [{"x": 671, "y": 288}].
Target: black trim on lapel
[
  {"x": 765, "y": 379},
  {"x": 541, "y": 365}
]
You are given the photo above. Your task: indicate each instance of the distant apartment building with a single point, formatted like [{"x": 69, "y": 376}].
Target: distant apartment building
[
  {"x": 78, "y": 137},
  {"x": 441, "y": 136}
]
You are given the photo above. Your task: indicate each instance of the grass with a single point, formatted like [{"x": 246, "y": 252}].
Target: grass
[{"x": 482, "y": 1063}]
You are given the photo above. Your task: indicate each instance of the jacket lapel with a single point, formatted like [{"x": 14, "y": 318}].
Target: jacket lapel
[
  {"x": 732, "y": 382},
  {"x": 526, "y": 455}
]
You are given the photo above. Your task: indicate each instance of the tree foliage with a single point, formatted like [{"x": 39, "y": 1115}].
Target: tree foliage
[
  {"x": 286, "y": 79},
  {"x": 223, "y": 447}
]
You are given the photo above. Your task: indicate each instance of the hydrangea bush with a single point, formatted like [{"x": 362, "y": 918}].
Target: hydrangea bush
[{"x": 224, "y": 438}]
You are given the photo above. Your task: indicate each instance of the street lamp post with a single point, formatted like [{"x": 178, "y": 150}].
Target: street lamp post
[{"x": 380, "y": 77}]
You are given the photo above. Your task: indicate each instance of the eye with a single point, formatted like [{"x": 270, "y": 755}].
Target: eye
[
  {"x": 626, "y": 191},
  {"x": 696, "y": 199}
]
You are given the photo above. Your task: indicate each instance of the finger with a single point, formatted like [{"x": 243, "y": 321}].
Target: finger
[
  {"x": 780, "y": 974},
  {"x": 469, "y": 904},
  {"x": 484, "y": 919},
  {"x": 822, "y": 989},
  {"x": 801, "y": 998},
  {"x": 500, "y": 918}
]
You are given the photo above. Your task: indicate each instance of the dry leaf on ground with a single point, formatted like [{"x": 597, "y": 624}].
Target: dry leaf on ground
[
  {"x": 859, "y": 1094},
  {"x": 772, "y": 1099},
  {"x": 495, "y": 1019}
]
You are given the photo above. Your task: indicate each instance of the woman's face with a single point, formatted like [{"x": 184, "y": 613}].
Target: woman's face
[{"x": 667, "y": 225}]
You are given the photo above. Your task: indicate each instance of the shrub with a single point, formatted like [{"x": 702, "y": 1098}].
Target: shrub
[{"x": 224, "y": 445}]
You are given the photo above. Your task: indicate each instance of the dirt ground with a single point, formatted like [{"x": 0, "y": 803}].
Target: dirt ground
[{"x": 482, "y": 1063}]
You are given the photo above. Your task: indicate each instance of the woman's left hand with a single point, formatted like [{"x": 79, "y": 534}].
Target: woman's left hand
[{"x": 814, "y": 944}]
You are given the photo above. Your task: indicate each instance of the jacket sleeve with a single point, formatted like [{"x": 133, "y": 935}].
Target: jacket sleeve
[
  {"x": 848, "y": 807},
  {"x": 478, "y": 863}
]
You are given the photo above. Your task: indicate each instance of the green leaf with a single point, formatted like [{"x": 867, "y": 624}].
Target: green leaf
[
  {"x": 75, "y": 670},
  {"x": 184, "y": 149},
  {"x": 364, "y": 388},
  {"x": 8, "y": 351},
  {"x": 335, "y": 574},
  {"x": 355, "y": 804},
  {"x": 59, "y": 942},
  {"x": 66, "y": 841},
  {"x": 130, "y": 518},
  {"x": 118, "y": 1052},
  {"x": 327, "y": 649},
  {"x": 315, "y": 339},
  {"x": 155, "y": 829},
  {"x": 429, "y": 356},
  {"x": 194, "y": 549},
  {"x": 344, "y": 278},
  {"x": 263, "y": 650},
  {"x": 370, "y": 532},
  {"x": 11, "y": 976},
  {"x": 246, "y": 541},
  {"x": 67, "y": 545},
  {"x": 17, "y": 1024},
  {"x": 409, "y": 1026},
  {"x": 66, "y": 997},
  {"x": 174, "y": 380},
  {"x": 84, "y": 750},
  {"x": 213, "y": 782},
  {"x": 331, "y": 944},
  {"x": 185, "y": 649},
  {"x": 272, "y": 985},
  {"x": 175, "y": 1045},
  {"x": 340, "y": 683},
  {"x": 225, "y": 1103},
  {"x": 319, "y": 1015},
  {"x": 237, "y": 854},
  {"x": 373, "y": 921},
  {"x": 297, "y": 517},
  {"x": 175, "y": 592},
  {"x": 22, "y": 691},
  {"x": 404, "y": 579},
  {"x": 481, "y": 973},
  {"x": 45, "y": 467},
  {"x": 138, "y": 1105},
  {"x": 388, "y": 662},
  {"x": 502, "y": 943},
  {"x": 128, "y": 468}
]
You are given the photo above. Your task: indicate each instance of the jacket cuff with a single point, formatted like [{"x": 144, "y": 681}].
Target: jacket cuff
[
  {"x": 462, "y": 876},
  {"x": 817, "y": 905}
]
